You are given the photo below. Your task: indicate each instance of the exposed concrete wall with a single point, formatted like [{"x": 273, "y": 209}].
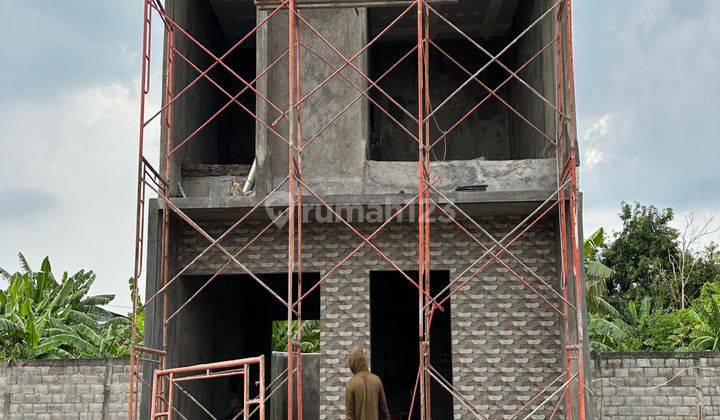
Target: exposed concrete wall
[
  {"x": 380, "y": 177},
  {"x": 337, "y": 156},
  {"x": 515, "y": 175},
  {"x": 65, "y": 389},
  {"x": 525, "y": 142},
  {"x": 153, "y": 310},
  {"x": 311, "y": 387}
]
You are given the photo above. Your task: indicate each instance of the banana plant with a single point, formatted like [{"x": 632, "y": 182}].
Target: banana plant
[
  {"x": 641, "y": 327},
  {"x": 705, "y": 314},
  {"x": 597, "y": 275},
  {"x": 310, "y": 335},
  {"x": 45, "y": 317},
  {"x": 606, "y": 335}
]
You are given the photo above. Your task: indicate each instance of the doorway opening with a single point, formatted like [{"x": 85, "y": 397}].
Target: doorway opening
[
  {"x": 394, "y": 341},
  {"x": 231, "y": 319}
]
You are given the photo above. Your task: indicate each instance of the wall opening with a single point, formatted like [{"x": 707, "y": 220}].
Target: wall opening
[
  {"x": 225, "y": 146},
  {"x": 394, "y": 343},
  {"x": 232, "y": 318},
  {"x": 492, "y": 131}
]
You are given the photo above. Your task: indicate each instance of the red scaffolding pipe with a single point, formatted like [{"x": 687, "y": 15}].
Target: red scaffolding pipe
[{"x": 565, "y": 199}]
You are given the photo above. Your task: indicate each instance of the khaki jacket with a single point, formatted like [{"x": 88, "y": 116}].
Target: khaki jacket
[{"x": 364, "y": 394}]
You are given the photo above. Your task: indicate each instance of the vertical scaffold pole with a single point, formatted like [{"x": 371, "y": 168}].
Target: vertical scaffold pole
[
  {"x": 140, "y": 205},
  {"x": 299, "y": 214},
  {"x": 422, "y": 217},
  {"x": 561, "y": 153},
  {"x": 426, "y": 219},
  {"x": 167, "y": 174},
  {"x": 291, "y": 201},
  {"x": 574, "y": 228}
]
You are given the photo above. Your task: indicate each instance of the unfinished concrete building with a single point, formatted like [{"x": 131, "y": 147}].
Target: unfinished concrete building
[{"x": 402, "y": 171}]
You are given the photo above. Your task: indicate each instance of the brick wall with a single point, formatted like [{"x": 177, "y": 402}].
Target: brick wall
[
  {"x": 641, "y": 386},
  {"x": 657, "y": 385},
  {"x": 65, "y": 389},
  {"x": 506, "y": 342}
]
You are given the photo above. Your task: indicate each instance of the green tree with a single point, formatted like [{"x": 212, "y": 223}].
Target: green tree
[
  {"x": 310, "y": 335},
  {"x": 43, "y": 317},
  {"x": 706, "y": 270},
  {"x": 639, "y": 255},
  {"x": 684, "y": 283}
]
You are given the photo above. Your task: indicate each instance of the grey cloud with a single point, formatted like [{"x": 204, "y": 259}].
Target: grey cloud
[
  {"x": 56, "y": 45},
  {"x": 18, "y": 205},
  {"x": 652, "y": 65}
]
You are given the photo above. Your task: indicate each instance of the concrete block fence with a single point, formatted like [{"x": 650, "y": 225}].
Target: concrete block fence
[
  {"x": 656, "y": 385},
  {"x": 65, "y": 389},
  {"x": 650, "y": 386}
]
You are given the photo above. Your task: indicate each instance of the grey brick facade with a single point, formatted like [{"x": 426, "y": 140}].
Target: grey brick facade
[{"x": 506, "y": 342}]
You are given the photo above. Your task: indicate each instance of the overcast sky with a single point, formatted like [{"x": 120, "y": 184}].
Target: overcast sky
[{"x": 648, "y": 95}]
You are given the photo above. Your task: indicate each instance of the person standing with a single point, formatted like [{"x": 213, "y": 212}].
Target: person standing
[{"x": 364, "y": 393}]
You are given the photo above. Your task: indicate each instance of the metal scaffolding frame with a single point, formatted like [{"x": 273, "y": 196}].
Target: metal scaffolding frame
[
  {"x": 568, "y": 388},
  {"x": 170, "y": 379}
]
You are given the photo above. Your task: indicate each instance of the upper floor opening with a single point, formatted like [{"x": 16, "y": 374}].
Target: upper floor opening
[
  {"x": 212, "y": 118},
  {"x": 475, "y": 124}
]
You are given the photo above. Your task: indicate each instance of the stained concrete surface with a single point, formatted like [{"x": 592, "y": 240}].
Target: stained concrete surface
[{"x": 311, "y": 386}]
